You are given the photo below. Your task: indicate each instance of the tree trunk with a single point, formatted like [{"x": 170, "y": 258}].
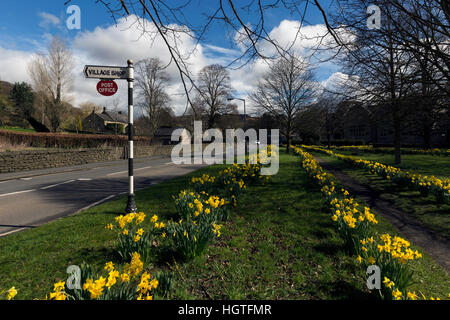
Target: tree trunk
[
  {"x": 328, "y": 139},
  {"x": 288, "y": 137},
  {"x": 427, "y": 136},
  {"x": 397, "y": 139},
  {"x": 288, "y": 143}
]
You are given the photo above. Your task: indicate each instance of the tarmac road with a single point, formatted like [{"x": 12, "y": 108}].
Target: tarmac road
[{"x": 29, "y": 199}]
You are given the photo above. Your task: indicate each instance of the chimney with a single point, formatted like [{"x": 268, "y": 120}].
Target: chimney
[{"x": 104, "y": 109}]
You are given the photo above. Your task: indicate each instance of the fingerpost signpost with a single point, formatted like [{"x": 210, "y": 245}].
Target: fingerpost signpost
[{"x": 107, "y": 73}]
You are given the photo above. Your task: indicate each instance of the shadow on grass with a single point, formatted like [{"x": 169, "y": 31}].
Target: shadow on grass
[
  {"x": 166, "y": 256},
  {"x": 341, "y": 289},
  {"x": 329, "y": 248},
  {"x": 91, "y": 255}
]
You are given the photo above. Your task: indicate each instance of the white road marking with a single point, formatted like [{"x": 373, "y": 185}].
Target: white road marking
[
  {"x": 142, "y": 168},
  {"x": 113, "y": 174},
  {"x": 18, "y": 192},
  {"x": 94, "y": 204},
  {"x": 120, "y": 172},
  {"x": 84, "y": 179},
  {"x": 26, "y": 179},
  {"x": 58, "y": 184},
  {"x": 5, "y": 181},
  {"x": 102, "y": 200}
]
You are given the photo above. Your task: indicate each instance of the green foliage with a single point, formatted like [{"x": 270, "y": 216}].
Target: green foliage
[
  {"x": 191, "y": 238},
  {"x": 22, "y": 97}
]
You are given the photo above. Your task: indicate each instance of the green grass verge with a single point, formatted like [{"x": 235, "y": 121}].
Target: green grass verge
[
  {"x": 33, "y": 260},
  {"x": 279, "y": 243},
  {"x": 422, "y": 164},
  {"x": 425, "y": 209},
  {"x": 16, "y": 129}
]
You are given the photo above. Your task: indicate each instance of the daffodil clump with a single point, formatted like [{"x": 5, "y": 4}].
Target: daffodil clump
[
  {"x": 225, "y": 184},
  {"x": 232, "y": 182},
  {"x": 191, "y": 237},
  {"x": 393, "y": 255},
  {"x": 396, "y": 294},
  {"x": 133, "y": 236},
  {"x": 371, "y": 149},
  {"x": 440, "y": 188},
  {"x": 8, "y": 294},
  {"x": 199, "y": 213},
  {"x": 201, "y": 207},
  {"x": 353, "y": 221},
  {"x": 204, "y": 183},
  {"x": 132, "y": 283}
]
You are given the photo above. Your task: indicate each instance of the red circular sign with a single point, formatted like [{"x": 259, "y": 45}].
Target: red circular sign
[{"x": 107, "y": 87}]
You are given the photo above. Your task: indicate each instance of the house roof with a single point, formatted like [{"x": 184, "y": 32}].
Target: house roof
[{"x": 113, "y": 116}]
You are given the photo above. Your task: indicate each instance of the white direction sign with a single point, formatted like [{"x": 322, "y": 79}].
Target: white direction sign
[{"x": 104, "y": 72}]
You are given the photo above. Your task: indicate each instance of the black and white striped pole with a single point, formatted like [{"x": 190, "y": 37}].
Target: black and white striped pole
[
  {"x": 131, "y": 206},
  {"x": 122, "y": 73}
]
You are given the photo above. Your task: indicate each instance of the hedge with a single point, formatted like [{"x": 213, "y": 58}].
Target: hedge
[{"x": 58, "y": 140}]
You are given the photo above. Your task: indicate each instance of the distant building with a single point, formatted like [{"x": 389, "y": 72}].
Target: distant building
[
  {"x": 107, "y": 122},
  {"x": 163, "y": 135},
  {"x": 358, "y": 124}
]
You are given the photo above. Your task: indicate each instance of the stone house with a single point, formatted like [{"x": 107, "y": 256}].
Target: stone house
[{"x": 107, "y": 122}]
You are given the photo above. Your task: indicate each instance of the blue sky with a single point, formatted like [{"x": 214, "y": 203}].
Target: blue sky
[
  {"x": 25, "y": 29},
  {"x": 27, "y": 23}
]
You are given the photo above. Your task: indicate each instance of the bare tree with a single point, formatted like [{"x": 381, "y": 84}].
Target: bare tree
[
  {"x": 327, "y": 105},
  {"x": 89, "y": 107},
  {"x": 287, "y": 88},
  {"x": 213, "y": 87},
  {"x": 243, "y": 21},
  {"x": 151, "y": 83},
  {"x": 424, "y": 31},
  {"x": 51, "y": 73},
  {"x": 246, "y": 22},
  {"x": 386, "y": 71}
]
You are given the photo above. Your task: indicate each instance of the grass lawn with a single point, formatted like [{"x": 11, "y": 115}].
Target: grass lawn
[
  {"x": 279, "y": 243},
  {"x": 432, "y": 214},
  {"x": 438, "y": 166},
  {"x": 16, "y": 129}
]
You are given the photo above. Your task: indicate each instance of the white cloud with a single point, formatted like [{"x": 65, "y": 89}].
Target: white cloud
[
  {"x": 48, "y": 20},
  {"x": 115, "y": 44},
  {"x": 13, "y": 65},
  {"x": 222, "y": 50},
  {"x": 341, "y": 85},
  {"x": 335, "y": 81},
  {"x": 287, "y": 35}
]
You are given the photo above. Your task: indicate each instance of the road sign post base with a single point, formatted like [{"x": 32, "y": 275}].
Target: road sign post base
[{"x": 131, "y": 205}]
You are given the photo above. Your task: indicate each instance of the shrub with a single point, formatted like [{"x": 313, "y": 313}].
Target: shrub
[{"x": 392, "y": 255}]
